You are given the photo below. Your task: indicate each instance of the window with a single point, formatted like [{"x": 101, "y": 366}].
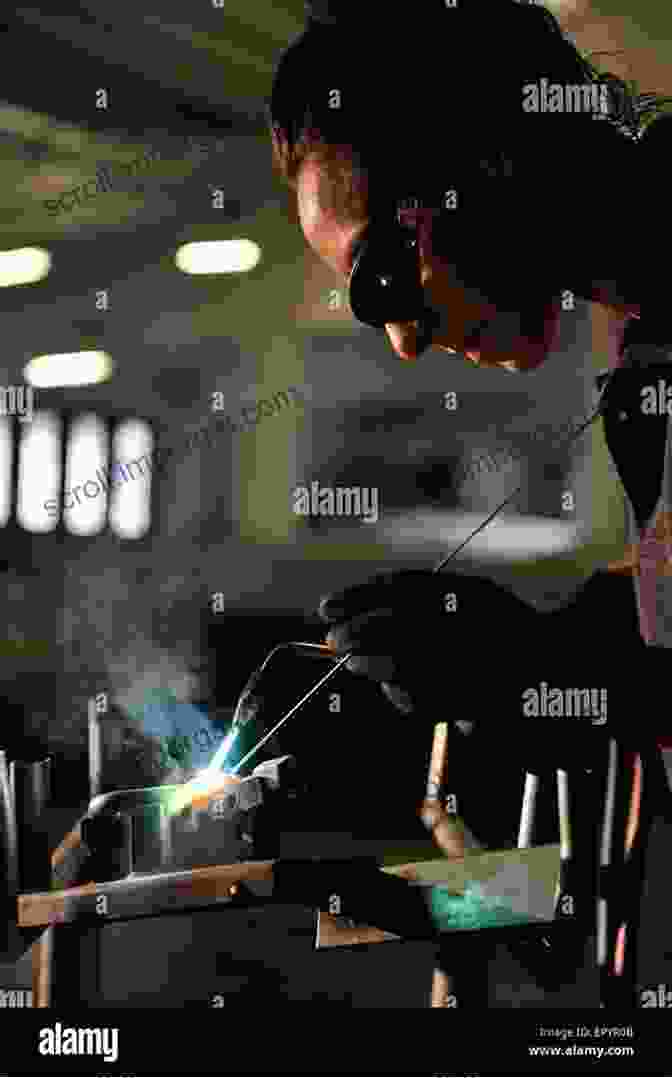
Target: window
[{"x": 107, "y": 470}]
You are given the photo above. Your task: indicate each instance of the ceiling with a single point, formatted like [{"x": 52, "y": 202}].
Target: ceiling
[
  {"x": 167, "y": 69},
  {"x": 171, "y": 74},
  {"x": 170, "y": 71},
  {"x": 171, "y": 67}
]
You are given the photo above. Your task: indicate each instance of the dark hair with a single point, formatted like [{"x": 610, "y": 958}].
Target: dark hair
[{"x": 365, "y": 83}]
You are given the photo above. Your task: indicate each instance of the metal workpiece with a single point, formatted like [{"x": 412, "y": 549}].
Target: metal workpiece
[
  {"x": 124, "y": 800},
  {"x": 142, "y": 830},
  {"x": 147, "y": 838},
  {"x": 109, "y": 842},
  {"x": 278, "y": 773},
  {"x": 166, "y": 841},
  {"x": 202, "y": 840},
  {"x": 96, "y": 750},
  {"x": 248, "y": 795}
]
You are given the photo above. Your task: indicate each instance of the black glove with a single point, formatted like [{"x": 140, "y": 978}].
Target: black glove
[
  {"x": 433, "y": 640},
  {"x": 454, "y": 647}
]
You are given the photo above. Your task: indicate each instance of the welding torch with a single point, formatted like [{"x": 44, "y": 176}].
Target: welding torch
[{"x": 249, "y": 701}]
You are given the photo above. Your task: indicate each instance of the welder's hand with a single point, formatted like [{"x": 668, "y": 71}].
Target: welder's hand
[{"x": 422, "y": 635}]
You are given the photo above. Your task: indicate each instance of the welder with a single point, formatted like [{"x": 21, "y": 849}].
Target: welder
[
  {"x": 456, "y": 219},
  {"x": 367, "y": 110}
]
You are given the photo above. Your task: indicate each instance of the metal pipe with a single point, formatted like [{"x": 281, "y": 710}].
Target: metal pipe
[
  {"x": 31, "y": 789},
  {"x": 9, "y": 848},
  {"x": 9, "y": 863},
  {"x": 603, "y": 900},
  {"x": 527, "y": 812},
  {"x": 565, "y": 885},
  {"x": 564, "y": 816},
  {"x": 95, "y": 751},
  {"x": 166, "y": 832}
]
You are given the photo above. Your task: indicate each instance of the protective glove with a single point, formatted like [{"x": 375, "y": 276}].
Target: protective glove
[{"x": 414, "y": 631}]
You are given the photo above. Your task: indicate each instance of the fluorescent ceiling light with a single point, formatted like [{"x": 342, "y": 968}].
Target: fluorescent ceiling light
[
  {"x": 70, "y": 369},
  {"x": 218, "y": 256},
  {"x": 23, "y": 266}
]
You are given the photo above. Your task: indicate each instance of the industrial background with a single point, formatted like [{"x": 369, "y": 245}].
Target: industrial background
[{"x": 134, "y": 614}]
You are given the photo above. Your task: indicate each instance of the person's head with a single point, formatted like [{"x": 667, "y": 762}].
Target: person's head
[{"x": 428, "y": 101}]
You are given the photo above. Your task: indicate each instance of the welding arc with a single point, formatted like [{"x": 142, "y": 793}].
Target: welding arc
[
  {"x": 437, "y": 568},
  {"x": 283, "y": 720}
]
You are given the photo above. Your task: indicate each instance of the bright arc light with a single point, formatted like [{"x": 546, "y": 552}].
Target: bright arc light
[
  {"x": 69, "y": 369},
  {"x": 25, "y": 265},
  {"x": 218, "y": 256},
  {"x": 222, "y": 752},
  {"x": 207, "y": 780}
]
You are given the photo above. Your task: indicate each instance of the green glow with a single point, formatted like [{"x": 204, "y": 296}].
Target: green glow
[{"x": 473, "y": 909}]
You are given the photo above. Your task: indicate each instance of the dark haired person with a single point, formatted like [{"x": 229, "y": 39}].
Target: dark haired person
[
  {"x": 512, "y": 205},
  {"x": 432, "y": 172}
]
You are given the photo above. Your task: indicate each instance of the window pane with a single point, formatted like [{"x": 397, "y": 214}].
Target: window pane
[
  {"x": 39, "y": 477},
  {"x": 86, "y": 480},
  {"x": 130, "y": 511},
  {"x": 5, "y": 469}
]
